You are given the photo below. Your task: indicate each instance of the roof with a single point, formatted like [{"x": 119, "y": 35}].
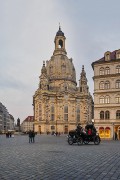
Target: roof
[
  {"x": 102, "y": 60},
  {"x": 59, "y": 33},
  {"x": 29, "y": 119}
]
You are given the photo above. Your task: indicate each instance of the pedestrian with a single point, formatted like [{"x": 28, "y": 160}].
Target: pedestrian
[
  {"x": 30, "y": 136},
  {"x": 33, "y": 136}
]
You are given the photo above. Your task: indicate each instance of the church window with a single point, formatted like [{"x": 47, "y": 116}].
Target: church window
[
  {"x": 52, "y": 113},
  {"x": 66, "y": 113},
  {"x": 107, "y": 85},
  {"x": 101, "y": 85},
  {"x": 102, "y": 115},
  {"x": 118, "y": 69},
  {"x": 107, "y": 70},
  {"x": 101, "y": 100},
  {"x": 107, "y": 115},
  {"x": 118, "y": 114},
  {"x": 60, "y": 43},
  {"x": 107, "y": 99},
  {"x": 118, "y": 84},
  {"x": 78, "y": 114},
  {"x": 101, "y": 71}
]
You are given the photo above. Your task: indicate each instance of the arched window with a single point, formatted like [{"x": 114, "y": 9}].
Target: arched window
[
  {"x": 101, "y": 100},
  {"x": 118, "y": 84},
  {"x": 102, "y": 115},
  {"x": 118, "y": 114},
  {"x": 117, "y": 99},
  {"x": 107, "y": 99},
  {"x": 107, "y": 115},
  {"x": 66, "y": 113},
  {"x": 107, "y": 85},
  {"x": 118, "y": 69},
  {"x": 60, "y": 43},
  {"x": 107, "y": 70},
  {"x": 101, "y": 71},
  {"x": 101, "y": 85},
  {"x": 78, "y": 114},
  {"x": 52, "y": 113}
]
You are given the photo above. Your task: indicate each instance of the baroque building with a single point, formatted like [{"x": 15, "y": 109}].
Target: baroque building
[
  {"x": 107, "y": 94},
  {"x": 27, "y": 124},
  {"x": 59, "y": 105}
]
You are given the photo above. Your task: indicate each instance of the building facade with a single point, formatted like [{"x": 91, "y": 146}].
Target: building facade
[
  {"x": 4, "y": 118},
  {"x": 27, "y": 124},
  {"x": 107, "y": 94},
  {"x": 59, "y": 104}
]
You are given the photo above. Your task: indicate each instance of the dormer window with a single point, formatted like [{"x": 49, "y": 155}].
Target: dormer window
[
  {"x": 118, "y": 54},
  {"x": 107, "y": 56}
]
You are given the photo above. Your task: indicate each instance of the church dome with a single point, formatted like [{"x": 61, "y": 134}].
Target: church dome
[
  {"x": 60, "y": 68},
  {"x": 59, "y": 33}
]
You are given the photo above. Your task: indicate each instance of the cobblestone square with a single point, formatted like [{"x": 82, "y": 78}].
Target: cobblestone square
[{"x": 51, "y": 158}]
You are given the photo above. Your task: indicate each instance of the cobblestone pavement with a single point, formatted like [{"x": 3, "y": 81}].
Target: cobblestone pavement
[{"x": 51, "y": 158}]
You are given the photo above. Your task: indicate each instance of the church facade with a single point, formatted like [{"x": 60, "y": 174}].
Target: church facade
[{"x": 59, "y": 104}]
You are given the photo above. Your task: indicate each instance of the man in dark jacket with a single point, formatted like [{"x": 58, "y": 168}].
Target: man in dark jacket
[{"x": 30, "y": 136}]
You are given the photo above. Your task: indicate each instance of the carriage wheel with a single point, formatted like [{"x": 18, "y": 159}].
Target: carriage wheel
[
  {"x": 70, "y": 141},
  {"x": 79, "y": 141},
  {"x": 97, "y": 140}
]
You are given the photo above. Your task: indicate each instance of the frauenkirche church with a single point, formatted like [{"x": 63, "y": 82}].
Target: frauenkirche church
[{"x": 59, "y": 104}]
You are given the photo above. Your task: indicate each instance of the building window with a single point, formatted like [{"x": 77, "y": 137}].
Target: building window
[
  {"x": 78, "y": 114},
  {"x": 118, "y": 99},
  {"x": 66, "y": 113},
  {"x": 118, "y": 84},
  {"x": 107, "y": 85},
  {"x": 107, "y": 115},
  {"x": 52, "y": 113},
  {"x": 107, "y": 70},
  {"x": 118, "y": 69},
  {"x": 102, "y": 115},
  {"x": 52, "y": 127},
  {"x": 101, "y": 100},
  {"x": 101, "y": 71},
  {"x": 118, "y": 114},
  {"x": 101, "y": 85},
  {"x": 107, "y": 99}
]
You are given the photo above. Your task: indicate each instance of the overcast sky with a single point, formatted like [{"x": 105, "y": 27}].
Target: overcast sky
[{"x": 27, "y": 31}]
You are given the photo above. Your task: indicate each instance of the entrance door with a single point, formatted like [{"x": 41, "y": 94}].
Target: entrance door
[{"x": 66, "y": 129}]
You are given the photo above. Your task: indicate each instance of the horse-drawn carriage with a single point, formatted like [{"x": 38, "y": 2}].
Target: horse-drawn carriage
[{"x": 81, "y": 136}]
